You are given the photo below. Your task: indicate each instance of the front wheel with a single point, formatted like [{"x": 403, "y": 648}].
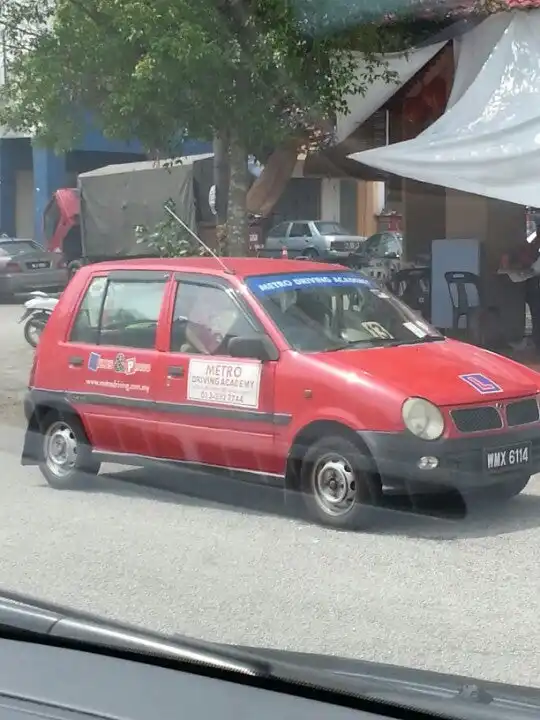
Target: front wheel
[
  {"x": 339, "y": 487},
  {"x": 33, "y": 328},
  {"x": 67, "y": 460}
]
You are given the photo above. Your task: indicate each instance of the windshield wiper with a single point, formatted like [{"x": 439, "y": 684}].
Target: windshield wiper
[
  {"x": 364, "y": 686},
  {"x": 21, "y": 619},
  {"x": 391, "y": 342}
]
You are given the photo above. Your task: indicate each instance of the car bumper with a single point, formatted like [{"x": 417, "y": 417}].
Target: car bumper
[
  {"x": 461, "y": 461},
  {"x": 337, "y": 254}
]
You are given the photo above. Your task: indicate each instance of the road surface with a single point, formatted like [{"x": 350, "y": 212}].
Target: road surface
[{"x": 219, "y": 560}]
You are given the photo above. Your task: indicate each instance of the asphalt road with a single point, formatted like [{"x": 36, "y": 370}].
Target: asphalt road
[{"x": 220, "y": 560}]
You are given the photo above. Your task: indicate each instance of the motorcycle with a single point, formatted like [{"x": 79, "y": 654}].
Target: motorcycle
[{"x": 37, "y": 311}]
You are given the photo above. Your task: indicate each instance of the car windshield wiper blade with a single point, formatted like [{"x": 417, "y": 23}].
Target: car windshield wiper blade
[
  {"x": 24, "y": 619},
  {"x": 21, "y": 617},
  {"x": 392, "y": 342}
]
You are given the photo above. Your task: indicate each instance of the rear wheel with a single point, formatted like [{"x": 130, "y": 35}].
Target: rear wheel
[
  {"x": 338, "y": 486},
  {"x": 67, "y": 460}
]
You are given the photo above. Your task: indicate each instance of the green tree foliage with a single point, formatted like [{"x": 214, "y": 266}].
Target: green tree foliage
[
  {"x": 168, "y": 239},
  {"x": 259, "y": 71}
]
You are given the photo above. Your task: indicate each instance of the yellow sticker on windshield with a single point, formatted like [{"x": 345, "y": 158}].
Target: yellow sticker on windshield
[{"x": 377, "y": 330}]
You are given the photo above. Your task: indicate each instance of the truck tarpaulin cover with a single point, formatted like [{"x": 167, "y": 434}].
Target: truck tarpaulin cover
[
  {"x": 488, "y": 140},
  {"x": 117, "y": 198}
]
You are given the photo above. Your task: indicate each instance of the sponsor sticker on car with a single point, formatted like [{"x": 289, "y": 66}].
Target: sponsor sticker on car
[{"x": 225, "y": 382}]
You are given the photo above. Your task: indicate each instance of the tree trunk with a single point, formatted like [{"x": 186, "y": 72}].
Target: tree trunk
[
  {"x": 221, "y": 175},
  {"x": 237, "y": 219},
  {"x": 268, "y": 188}
]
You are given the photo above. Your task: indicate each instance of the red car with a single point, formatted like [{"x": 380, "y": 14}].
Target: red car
[{"x": 297, "y": 373}]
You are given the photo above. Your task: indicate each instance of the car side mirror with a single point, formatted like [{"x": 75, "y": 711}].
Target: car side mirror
[{"x": 257, "y": 348}]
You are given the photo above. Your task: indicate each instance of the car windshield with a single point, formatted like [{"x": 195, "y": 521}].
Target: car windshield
[
  {"x": 270, "y": 325},
  {"x": 330, "y": 228},
  {"x": 373, "y": 243},
  {"x": 13, "y": 248},
  {"x": 319, "y": 312}
]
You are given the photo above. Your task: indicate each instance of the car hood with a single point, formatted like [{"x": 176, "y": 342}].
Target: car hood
[
  {"x": 434, "y": 371},
  {"x": 347, "y": 238}
]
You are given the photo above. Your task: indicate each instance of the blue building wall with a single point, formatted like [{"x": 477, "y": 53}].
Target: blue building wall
[
  {"x": 52, "y": 171},
  {"x": 8, "y": 188}
]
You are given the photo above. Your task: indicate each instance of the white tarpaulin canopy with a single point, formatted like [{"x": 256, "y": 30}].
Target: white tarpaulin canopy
[
  {"x": 488, "y": 140},
  {"x": 361, "y": 107}
]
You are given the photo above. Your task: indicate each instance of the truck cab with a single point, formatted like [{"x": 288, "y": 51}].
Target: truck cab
[{"x": 61, "y": 224}]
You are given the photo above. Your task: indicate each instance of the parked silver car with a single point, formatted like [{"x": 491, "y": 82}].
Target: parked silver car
[
  {"x": 26, "y": 266},
  {"x": 311, "y": 238}
]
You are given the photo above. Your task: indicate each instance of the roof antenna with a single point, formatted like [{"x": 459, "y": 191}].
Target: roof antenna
[{"x": 198, "y": 239}]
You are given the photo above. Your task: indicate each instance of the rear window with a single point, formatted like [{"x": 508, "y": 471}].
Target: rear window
[{"x": 13, "y": 248}]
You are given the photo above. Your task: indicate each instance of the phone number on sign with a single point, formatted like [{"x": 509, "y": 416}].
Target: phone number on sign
[{"x": 221, "y": 397}]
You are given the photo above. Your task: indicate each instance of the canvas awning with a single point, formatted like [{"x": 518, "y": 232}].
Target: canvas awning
[
  {"x": 361, "y": 107},
  {"x": 488, "y": 140}
]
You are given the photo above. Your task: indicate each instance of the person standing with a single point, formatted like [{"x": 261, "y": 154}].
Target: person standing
[{"x": 527, "y": 256}]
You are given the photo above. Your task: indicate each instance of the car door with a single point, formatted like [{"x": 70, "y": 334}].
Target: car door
[
  {"x": 214, "y": 409},
  {"x": 109, "y": 359},
  {"x": 275, "y": 240},
  {"x": 299, "y": 239}
]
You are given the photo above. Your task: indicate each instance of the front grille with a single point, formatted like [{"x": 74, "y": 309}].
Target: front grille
[
  {"x": 342, "y": 245},
  {"x": 468, "y": 420},
  {"x": 522, "y": 412}
]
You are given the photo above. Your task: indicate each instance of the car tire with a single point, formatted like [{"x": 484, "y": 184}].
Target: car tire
[
  {"x": 500, "y": 492},
  {"x": 310, "y": 254},
  {"x": 66, "y": 459},
  {"x": 338, "y": 486}
]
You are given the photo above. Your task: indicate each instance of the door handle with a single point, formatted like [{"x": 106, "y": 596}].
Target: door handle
[
  {"x": 175, "y": 371},
  {"x": 75, "y": 361}
]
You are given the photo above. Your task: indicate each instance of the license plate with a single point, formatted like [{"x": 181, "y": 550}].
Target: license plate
[
  {"x": 38, "y": 265},
  {"x": 508, "y": 457}
]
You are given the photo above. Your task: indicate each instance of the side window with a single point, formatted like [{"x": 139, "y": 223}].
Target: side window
[
  {"x": 205, "y": 318},
  {"x": 86, "y": 326},
  {"x": 131, "y": 313},
  {"x": 119, "y": 313},
  {"x": 300, "y": 230},
  {"x": 279, "y": 230}
]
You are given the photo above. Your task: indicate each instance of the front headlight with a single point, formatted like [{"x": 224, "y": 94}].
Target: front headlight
[{"x": 422, "y": 418}]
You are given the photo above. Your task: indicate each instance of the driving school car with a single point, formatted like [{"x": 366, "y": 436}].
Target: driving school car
[{"x": 298, "y": 373}]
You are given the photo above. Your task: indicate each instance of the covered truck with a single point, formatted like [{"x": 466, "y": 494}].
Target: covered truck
[{"x": 96, "y": 221}]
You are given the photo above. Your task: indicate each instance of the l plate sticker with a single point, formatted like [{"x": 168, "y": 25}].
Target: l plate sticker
[{"x": 481, "y": 383}]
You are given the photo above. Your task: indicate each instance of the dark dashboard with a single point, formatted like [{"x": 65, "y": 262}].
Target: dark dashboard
[
  {"x": 49, "y": 682},
  {"x": 55, "y": 663}
]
